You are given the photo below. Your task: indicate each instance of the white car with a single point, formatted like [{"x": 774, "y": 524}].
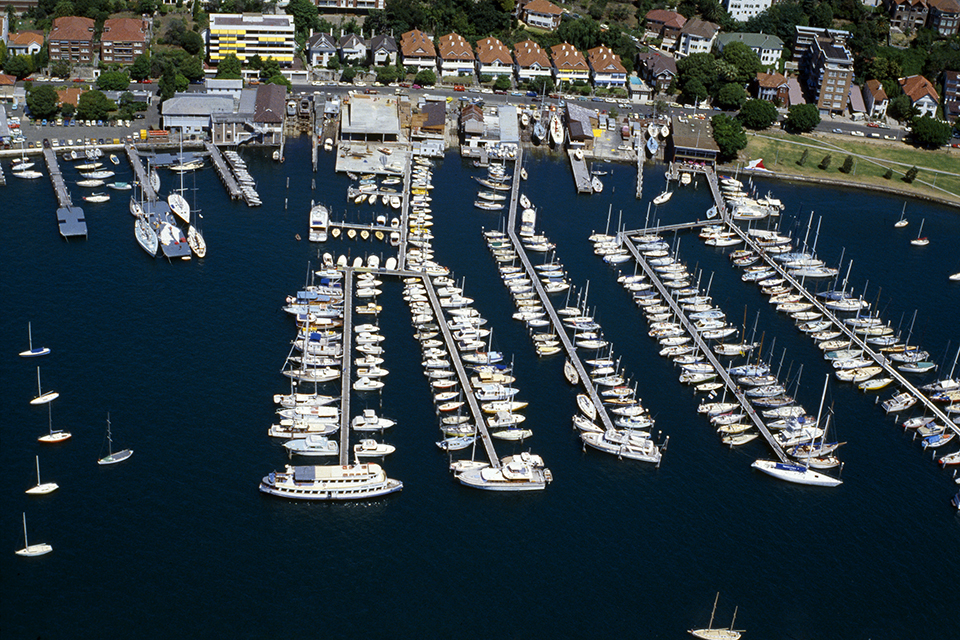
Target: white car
[{"x": 859, "y": 134}]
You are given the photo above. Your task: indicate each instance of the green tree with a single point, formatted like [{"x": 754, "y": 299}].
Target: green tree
[
  {"x": 695, "y": 92},
  {"x": 192, "y": 42},
  {"x": 744, "y": 59},
  {"x": 67, "y": 110},
  {"x": 93, "y": 105},
  {"x": 192, "y": 68},
  {"x": 113, "y": 81},
  {"x": 3, "y": 52},
  {"x": 60, "y": 69},
  {"x": 140, "y": 69},
  {"x": 731, "y": 96},
  {"x": 269, "y": 68},
  {"x": 19, "y": 66},
  {"x": 803, "y": 118},
  {"x": 280, "y": 80},
  {"x": 63, "y": 9},
  {"x": 757, "y": 114},
  {"x": 485, "y": 78},
  {"x": 729, "y": 135},
  {"x": 387, "y": 74},
  {"x": 901, "y": 108},
  {"x": 426, "y": 78},
  {"x": 910, "y": 175},
  {"x": 305, "y": 16},
  {"x": 847, "y": 165},
  {"x": 888, "y": 174},
  {"x": 825, "y": 163},
  {"x": 168, "y": 82},
  {"x": 42, "y": 101},
  {"x": 931, "y": 133},
  {"x": 803, "y": 157},
  {"x": 348, "y": 74},
  {"x": 230, "y": 68},
  {"x": 502, "y": 83}
]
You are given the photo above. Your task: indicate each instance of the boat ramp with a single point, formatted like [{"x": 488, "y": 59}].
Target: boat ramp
[{"x": 69, "y": 218}]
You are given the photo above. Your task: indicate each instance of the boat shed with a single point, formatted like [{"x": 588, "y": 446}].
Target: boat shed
[
  {"x": 692, "y": 141},
  {"x": 370, "y": 118},
  {"x": 580, "y": 124},
  {"x": 190, "y": 112},
  {"x": 268, "y": 113},
  {"x": 509, "y": 124},
  {"x": 236, "y": 127}
]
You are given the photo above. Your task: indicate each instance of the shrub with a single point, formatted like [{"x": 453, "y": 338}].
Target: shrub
[{"x": 825, "y": 163}]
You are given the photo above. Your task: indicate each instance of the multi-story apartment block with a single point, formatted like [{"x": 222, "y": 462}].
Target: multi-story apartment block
[
  {"x": 951, "y": 95},
  {"x": 493, "y": 58},
  {"x": 456, "y": 55},
  {"x": 697, "y": 36},
  {"x": 248, "y": 34},
  {"x": 71, "y": 40},
  {"x": 743, "y": 10},
  {"x": 532, "y": 61},
  {"x": 944, "y": 17},
  {"x": 350, "y": 5},
  {"x": 418, "y": 50},
  {"x": 123, "y": 39},
  {"x": 828, "y": 70},
  {"x": 568, "y": 63}
]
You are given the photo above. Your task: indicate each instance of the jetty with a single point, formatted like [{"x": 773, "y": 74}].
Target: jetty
[
  {"x": 451, "y": 344},
  {"x": 345, "y": 371},
  {"x": 226, "y": 175},
  {"x": 581, "y": 174},
  {"x": 70, "y": 219},
  {"x": 405, "y": 214},
  {"x": 638, "y": 145},
  {"x": 558, "y": 326},
  {"x": 140, "y": 172}
]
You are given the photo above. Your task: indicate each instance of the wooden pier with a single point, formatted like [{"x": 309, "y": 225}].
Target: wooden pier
[
  {"x": 226, "y": 175},
  {"x": 638, "y": 144},
  {"x": 405, "y": 214},
  {"x": 140, "y": 173},
  {"x": 581, "y": 175},
  {"x": 561, "y": 331},
  {"x": 701, "y": 344},
  {"x": 70, "y": 219},
  {"x": 454, "y": 352},
  {"x": 345, "y": 370}
]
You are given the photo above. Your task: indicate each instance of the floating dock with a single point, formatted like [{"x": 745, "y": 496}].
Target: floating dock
[
  {"x": 581, "y": 175},
  {"x": 405, "y": 214},
  {"x": 140, "y": 172},
  {"x": 638, "y": 145},
  {"x": 345, "y": 370},
  {"x": 70, "y": 219},
  {"x": 226, "y": 175}
]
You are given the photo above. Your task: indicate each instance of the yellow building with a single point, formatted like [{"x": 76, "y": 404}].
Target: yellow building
[{"x": 248, "y": 34}]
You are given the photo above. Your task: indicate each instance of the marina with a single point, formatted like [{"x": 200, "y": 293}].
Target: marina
[{"x": 216, "y": 329}]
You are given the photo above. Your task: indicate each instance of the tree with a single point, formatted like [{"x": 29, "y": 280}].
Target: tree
[
  {"x": 485, "y": 78},
  {"x": 847, "y": 165},
  {"x": 502, "y": 83},
  {"x": 888, "y": 174},
  {"x": 60, "y": 69},
  {"x": 694, "y": 92},
  {"x": 305, "y": 16},
  {"x": 825, "y": 163},
  {"x": 229, "y": 68},
  {"x": 348, "y": 74},
  {"x": 803, "y": 157},
  {"x": 93, "y": 105},
  {"x": 279, "y": 79},
  {"x": 387, "y": 74},
  {"x": 42, "y": 101},
  {"x": 67, "y": 110},
  {"x": 269, "y": 68},
  {"x": 192, "y": 42},
  {"x": 757, "y": 114},
  {"x": 426, "y": 78},
  {"x": 19, "y": 66},
  {"x": 140, "y": 69},
  {"x": 901, "y": 108},
  {"x": 744, "y": 59},
  {"x": 728, "y": 134},
  {"x": 168, "y": 82},
  {"x": 931, "y": 133},
  {"x": 910, "y": 175},
  {"x": 731, "y": 96},
  {"x": 698, "y": 75},
  {"x": 113, "y": 81},
  {"x": 803, "y": 118}
]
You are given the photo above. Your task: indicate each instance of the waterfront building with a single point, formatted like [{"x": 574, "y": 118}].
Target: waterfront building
[
  {"x": 123, "y": 39},
  {"x": 189, "y": 113},
  {"x": 922, "y": 94},
  {"x": 692, "y": 141},
  {"x": 826, "y": 66},
  {"x": 542, "y": 14},
  {"x": 875, "y": 99},
  {"x": 743, "y": 10},
  {"x": 456, "y": 56},
  {"x": 418, "y": 50},
  {"x": 369, "y": 118},
  {"x": 697, "y": 36},
  {"x": 71, "y": 40},
  {"x": 383, "y": 50},
  {"x": 606, "y": 67},
  {"x": 249, "y": 34},
  {"x": 532, "y": 61},
  {"x": 569, "y": 64},
  {"x": 24, "y": 43},
  {"x": 767, "y": 47},
  {"x": 493, "y": 58}
]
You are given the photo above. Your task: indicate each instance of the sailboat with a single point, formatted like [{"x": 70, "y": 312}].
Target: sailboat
[
  {"x": 31, "y": 352},
  {"x": 178, "y": 204},
  {"x": 30, "y": 550},
  {"x": 53, "y": 437},
  {"x": 902, "y": 222},
  {"x": 920, "y": 241},
  {"x": 43, "y": 398},
  {"x": 42, "y": 487},
  {"x": 111, "y": 457},
  {"x": 717, "y": 634}
]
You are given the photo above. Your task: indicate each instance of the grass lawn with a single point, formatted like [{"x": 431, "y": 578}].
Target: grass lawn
[{"x": 781, "y": 153}]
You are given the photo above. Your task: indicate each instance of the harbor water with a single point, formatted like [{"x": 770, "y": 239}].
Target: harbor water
[{"x": 186, "y": 356}]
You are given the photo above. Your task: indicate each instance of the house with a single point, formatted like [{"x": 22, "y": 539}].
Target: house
[
  {"x": 493, "y": 58},
  {"x": 70, "y": 95},
  {"x": 251, "y": 34},
  {"x": 921, "y": 93},
  {"x": 352, "y": 49},
  {"x": 71, "y": 40},
  {"x": 123, "y": 39},
  {"x": 532, "y": 61},
  {"x": 875, "y": 99},
  {"x": 665, "y": 24},
  {"x": 767, "y": 47},
  {"x": 268, "y": 113},
  {"x": 827, "y": 68},
  {"x": 321, "y": 49},
  {"x": 24, "y": 43},
  {"x": 951, "y": 95},
  {"x": 383, "y": 50},
  {"x": 697, "y": 36},
  {"x": 743, "y": 10},
  {"x": 541, "y": 14},
  {"x": 456, "y": 56},
  {"x": 772, "y": 87},
  {"x": 908, "y": 14},
  {"x": 606, "y": 67},
  {"x": 418, "y": 50},
  {"x": 568, "y": 63},
  {"x": 944, "y": 17},
  {"x": 658, "y": 69}
]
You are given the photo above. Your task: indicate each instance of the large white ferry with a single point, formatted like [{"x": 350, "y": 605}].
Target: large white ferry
[{"x": 347, "y": 482}]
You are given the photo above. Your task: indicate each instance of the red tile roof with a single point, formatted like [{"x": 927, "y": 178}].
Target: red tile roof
[
  {"x": 771, "y": 80},
  {"x": 916, "y": 87},
  {"x": 603, "y": 60},
  {"x": 529, "y": 53},
  {"x": 124, "y": 30},
  {"x": 566, "y": 56},
  {"x": 490, "y": 50},
  {"x": 72, "y": 28},
  {"x": 25, "y": 38},
  {"x": 543, "y": 6},
  {"x": 454, "y": 47},
  {"x": 416, "y": 44},
  {"x": 876, "y": 89}
]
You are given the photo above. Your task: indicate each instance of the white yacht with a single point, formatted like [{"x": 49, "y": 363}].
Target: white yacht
[
  {"x": 796, "y": 473},
  {"x": 623, "y": 444},
  {"x": 313, "y": 445},
  {"x": 522, "y": 472},
  {"x": 348, "y": 482},
  {"x": 319, "y": 219}
]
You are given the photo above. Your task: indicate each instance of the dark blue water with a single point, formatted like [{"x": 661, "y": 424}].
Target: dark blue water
[{"x": 186, "y": 358}]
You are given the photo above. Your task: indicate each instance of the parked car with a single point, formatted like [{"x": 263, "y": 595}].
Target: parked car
[
  {"x": 459, "y": 87},
  {"x": 838, "y": 130},
  {"x": 857, "y": 133}
]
